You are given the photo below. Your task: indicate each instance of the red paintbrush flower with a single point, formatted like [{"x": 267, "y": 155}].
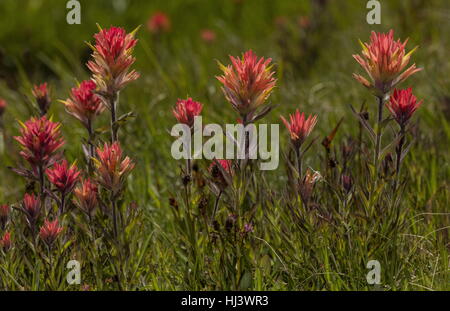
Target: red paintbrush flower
[
  {"x": 299, "y": 127},
  {"x": 402, "y": 104},
  {"x": 112, "y": 170},
  {"x": 5, "y": 242},
  {"x": 384, "y": 60},
  {"x": 186, "y": 110},
  {"x": 158, "y": 23},
  {"x": 41, "y": 94},
  {"x": 247, "y": 83},
  {"x": 63, "y": 177},
  {"x": 83, "y": 104},
  {"x": 31, "y": 206},
  {"x": 86, "y": 196},
  {"x": 3, "y": 105},
  {"x": 40, "y": 139},
  {"x": 50, "y": 231},
  {"x": 112, "y": 58},
  {"x": 208, "y": 35},
  {"x": 4, "y": 214}
]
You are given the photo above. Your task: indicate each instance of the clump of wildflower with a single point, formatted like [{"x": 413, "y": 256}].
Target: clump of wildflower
[
  {"x": 4, "y": 215},
  {"x": 384, "y": 60},
  {"x": 402, "y": 104},
  {"x": 247, "y": 84},
  {"x": 50, "y": 231},
  {"x": 41, "y": 94},
  {"x": 186, "y": 110},
  {"x": 83, "y": 104},
  {"x": 159, "y": 23},
  {"x": 299, "y": 127},
  {"x": 112, "y": 58},
  {"x": 63, "y": 177},
  {"x": 40, "y": 139},
  {"x": 5, "y": 242},
  {"x": 86, "y": 196},
  {"x": 112, "y": 169}
]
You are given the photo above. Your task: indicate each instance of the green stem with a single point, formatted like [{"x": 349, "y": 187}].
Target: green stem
[
  {"x": 380, "y": 100},
  {"x": 399, "y": 157},
  {"x": 114, "y": 129}
]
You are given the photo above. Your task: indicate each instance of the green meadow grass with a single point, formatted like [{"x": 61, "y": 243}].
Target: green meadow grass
[{"x": 314, "y": 72}]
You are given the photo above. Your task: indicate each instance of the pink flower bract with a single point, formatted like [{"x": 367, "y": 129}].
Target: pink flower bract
[
  {"x": 112, "y": 169},
  {"x": 299, "y": 128},
  {"x": 112, "y": 58},
  {"x": 248, "y": 82},
  {"x": 50, "y": 231},
  {"x": 186, "y": 110},
  {"x": 86, "y": 196},
  {"x": 40, "y": 139},
  {"x": 63, "y": 177},
  {"x": 402, "y": 104},
  {"x": 384, "y": 60},
  {"x": 83, "y": 104}
]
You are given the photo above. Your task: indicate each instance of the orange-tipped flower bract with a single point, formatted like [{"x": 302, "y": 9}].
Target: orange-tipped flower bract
[
  {"x": 63, "y": 177},
  {"x": 248, "y": 82},
  {"x": 86, "y": 196},
  {"x": 40, "y": 140},
  {"x": 112, "y": 58},
  {"x": 299, "y": 128},
  {"x": 83, "y": 104},
  {"x": 402, "y": 104},
  {"x": 186, "y": 110},
  {"x": 384, "y": 60},
  {"x": 50, "y": 231},
  {"x": 112, "y": 170}
]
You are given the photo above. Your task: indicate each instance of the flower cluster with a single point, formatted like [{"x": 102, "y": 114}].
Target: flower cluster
[
  {"x": 247, "y": 83},
  {"x": 299, "y": 128},
  {"x": 402, "y": 104},
  {"x": 40, "y": 140},
  {"x": 50, "y": 231},
  {"x": 63, "y": 177},
  {"x": 83, "y": 104},
  {"x": 186, "y": 110},
  {"x": 384, "y": 60},
  {"x": 86, "y": 196},
  {"x": 112, "y": 58},
  {"x": 112, "y": 169}
]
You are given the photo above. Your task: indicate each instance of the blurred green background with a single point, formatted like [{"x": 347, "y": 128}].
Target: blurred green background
[{"x": 311, "y": 43}]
